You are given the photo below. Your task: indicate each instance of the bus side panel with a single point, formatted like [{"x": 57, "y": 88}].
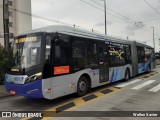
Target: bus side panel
[
  {"x": 67, "y": 84},
  {"x": 141, "y": 68},
  {"x": 63, "y": 85},
  {"x": 148, "y": 65},
  {"x": 144, "y": 67},
  {"x": 46, "y": 88},
  {"x": 118, "y": 73}
]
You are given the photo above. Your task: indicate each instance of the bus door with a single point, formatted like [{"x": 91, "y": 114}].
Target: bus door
[
  {"x": 103, "y": 60},
  {"x": 141, "y": 59}
]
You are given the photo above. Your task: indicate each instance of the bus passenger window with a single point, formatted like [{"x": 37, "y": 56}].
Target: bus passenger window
[
  {"x": 148, "y": 54},
  {"x": 117, "y": 54},
  {"x": 57, "y": 55},
  {"x": 79, "y": 52},
  {"x": 92, "y": 55},
  {"x": 141, "y": 54},
  {"x": 127, "y": 54},
  {"x": 101, "y": 55},
  {"x": 61, "y": 55}
]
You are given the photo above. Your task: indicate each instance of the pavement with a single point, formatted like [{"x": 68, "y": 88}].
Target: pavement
[
  {"x": 138, "y": 95},
  {"x": 3, "y": 92}
]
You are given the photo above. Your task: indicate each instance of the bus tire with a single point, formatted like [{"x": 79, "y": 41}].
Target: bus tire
[
  {"x": 82, "y": 86},
  {"x": 127, "y": 75}
]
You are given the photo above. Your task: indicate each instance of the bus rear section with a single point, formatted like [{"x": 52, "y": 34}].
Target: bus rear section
[{"x": 142, "y": 58}]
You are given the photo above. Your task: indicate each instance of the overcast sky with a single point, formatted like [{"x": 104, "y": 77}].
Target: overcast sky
[{"x": 82, "y": 14}]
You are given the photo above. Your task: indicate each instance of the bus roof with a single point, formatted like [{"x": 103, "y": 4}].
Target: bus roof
[{"x": 81, "y": 33}]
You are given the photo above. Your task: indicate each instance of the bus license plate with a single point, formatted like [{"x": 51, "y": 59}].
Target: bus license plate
[{"x": 12, "y": 92}]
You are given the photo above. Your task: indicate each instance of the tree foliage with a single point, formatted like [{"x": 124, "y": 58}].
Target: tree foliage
[{"x": 6, "y": 61}]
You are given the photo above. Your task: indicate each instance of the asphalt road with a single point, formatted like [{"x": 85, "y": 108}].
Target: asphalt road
[{"x": 138, "y": 94}]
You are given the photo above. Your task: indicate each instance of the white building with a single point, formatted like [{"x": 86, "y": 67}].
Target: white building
[{"x": 19, "y": 21}]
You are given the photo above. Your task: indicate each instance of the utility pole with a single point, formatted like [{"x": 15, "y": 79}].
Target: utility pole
[
  {"x": 159, "y": 45},
  {"x": 105, "y": 17},
  {"x": 6, "y": 23},
  {"x": 153, "y": 39}
]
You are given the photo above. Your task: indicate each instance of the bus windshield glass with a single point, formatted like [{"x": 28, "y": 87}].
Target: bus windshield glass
[{"x": 27, "y": 51}]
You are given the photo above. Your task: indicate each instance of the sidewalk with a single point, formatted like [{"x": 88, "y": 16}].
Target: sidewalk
[{"x": 3, "y": 92}]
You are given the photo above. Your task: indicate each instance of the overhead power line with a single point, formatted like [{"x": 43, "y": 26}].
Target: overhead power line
[
  {"x": 102, "y": 10},
  {"x": 29, "y": 14},
  {"x": 152, "y": 20},
  {"x": 114, "y": 12},
  {"x": 44, "y": 18},
  {"x": 122, "y": 17},
  {"x": 152, "y": 7},
  {"x": 127, "y": 17}
]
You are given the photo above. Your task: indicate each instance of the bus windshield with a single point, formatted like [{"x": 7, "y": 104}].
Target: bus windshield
[{"x": 27, "y": 51}]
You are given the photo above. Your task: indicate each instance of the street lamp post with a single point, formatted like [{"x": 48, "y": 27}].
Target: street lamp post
[
  {"x": 153, "y": 39},
  {"x": 105, "y": 17},
  {"x": 5, "y": 22},
  {"x": 159, "y": 45}
]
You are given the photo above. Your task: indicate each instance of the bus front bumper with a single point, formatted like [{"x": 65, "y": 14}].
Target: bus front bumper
[{"x": 30, "y": 90}]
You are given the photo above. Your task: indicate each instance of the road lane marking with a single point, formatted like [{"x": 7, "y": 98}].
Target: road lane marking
[
  {"x": 148, "y": 75},
  {"x": 89, "y": 97},
  {"x": 152, "y": 74},
  {"x": 128, "y": 83},
  {"x": 65, "y": 107},
  {"x": 156, "y": 73},
  {"x": 106, "y": 91},
  {"x": 80, "y": 101},
  {"x": 155, "y": 89},
  {"x": 143, "y": 84}
]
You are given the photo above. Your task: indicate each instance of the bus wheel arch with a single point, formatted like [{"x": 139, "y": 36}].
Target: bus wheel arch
[
  {"x": 84, "y": 81},
  {"x": 127, "y": 74}
]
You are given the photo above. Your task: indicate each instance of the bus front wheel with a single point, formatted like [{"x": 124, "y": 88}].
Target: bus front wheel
[{"x": 82, "y": 86}]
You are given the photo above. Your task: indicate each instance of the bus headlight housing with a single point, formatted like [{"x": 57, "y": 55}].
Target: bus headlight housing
[{"x": 33, "y": 78}]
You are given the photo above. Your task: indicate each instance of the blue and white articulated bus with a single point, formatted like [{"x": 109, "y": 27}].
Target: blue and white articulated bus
[{"x": 59, "y": 60}]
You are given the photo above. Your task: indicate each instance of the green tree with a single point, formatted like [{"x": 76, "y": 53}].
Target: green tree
[{"x": 6, "y": 62}]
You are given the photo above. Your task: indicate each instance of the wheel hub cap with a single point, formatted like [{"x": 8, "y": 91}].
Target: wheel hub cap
[{"x": 82, "y": 86}]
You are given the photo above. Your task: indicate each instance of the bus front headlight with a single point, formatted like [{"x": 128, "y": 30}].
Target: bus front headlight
[{"x": 33, "y": 78}]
